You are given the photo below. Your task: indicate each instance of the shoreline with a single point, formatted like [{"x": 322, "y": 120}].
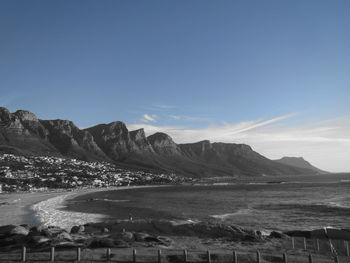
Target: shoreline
[{"x": 22, "y": 208}]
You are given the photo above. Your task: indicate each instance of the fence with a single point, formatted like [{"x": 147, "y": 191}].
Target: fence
[
  {"x": 185, "y": 257},
  {"x": 315, "y": 251},
  {"x": 334, "y": 247}
]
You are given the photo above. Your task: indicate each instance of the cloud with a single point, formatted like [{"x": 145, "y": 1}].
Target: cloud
[
  {"x": 187, "y": 118},
  {"x": 325, "y": 144},
  {"x": 149, "y": 118},
  {"x": 165, "y": 106}
]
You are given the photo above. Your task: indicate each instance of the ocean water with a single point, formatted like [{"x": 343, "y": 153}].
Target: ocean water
[{"x": 278, "y": 205}]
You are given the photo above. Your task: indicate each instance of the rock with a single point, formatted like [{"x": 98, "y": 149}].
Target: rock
[
  {"x": 61, "y": 237},
  {"x": 53, "y": 231},
  {"x": 37, "y": 229},
  {"x": 77, "y": 229},
  {"x": 139, "y": 236},
  {"x": 65, "y": 244},
  {"x": 37, "y": 241},
  {"x": 165, "y": 241},
  {"x": 105, "y": 230},
  {"x": 101, "y": 243},
  {"x": 276, "y": 234},
  {"x": 121, "y": 243},
  {"x": 299, "y": 233},
  {"x": 9, "y": 230},
  {"x": 19, "y": 230},
  {"x": 125, "y": 236}
]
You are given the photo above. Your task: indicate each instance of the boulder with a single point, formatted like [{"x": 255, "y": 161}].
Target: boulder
[
  {"x": 10, "y": 230},
  {"x": 105, "y": 230},
  {"x": 101, "y": 243},
  {"x": 125, "y": 236},
  {"x": 62, "y": 237},
  {"x": 277, "y": 234},
  {"x": 37, "y": 241},
  {"x": 53, "y": 231},
  {"x": 139, "y": 236},
  {"x": 77, "y": 229}
]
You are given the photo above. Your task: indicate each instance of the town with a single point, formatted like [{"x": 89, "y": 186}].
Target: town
[{"x": 41, "y": 173}]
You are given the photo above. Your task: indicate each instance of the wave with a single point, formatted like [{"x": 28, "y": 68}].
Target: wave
[
  {"x": 244, "y": 211},
  {"x": 50, "y": 212},
  {"x": 110, "y": 200}
]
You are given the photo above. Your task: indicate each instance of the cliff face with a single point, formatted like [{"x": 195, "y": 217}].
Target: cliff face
[{"x": 23, "y": 132}]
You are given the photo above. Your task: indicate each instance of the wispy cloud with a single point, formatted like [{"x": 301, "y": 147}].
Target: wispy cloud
[
  {"x": 149, "y": 118},
  {"x": 187, "y": 118},
  {"x": 165, "y": 106},
  {"x": 325, "y": 144}
]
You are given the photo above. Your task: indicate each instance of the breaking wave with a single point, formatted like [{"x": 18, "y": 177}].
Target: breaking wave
[{"x": 50, "y": 212}]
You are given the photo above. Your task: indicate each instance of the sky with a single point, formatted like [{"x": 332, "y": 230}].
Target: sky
[{"x": 272, "y": 74}]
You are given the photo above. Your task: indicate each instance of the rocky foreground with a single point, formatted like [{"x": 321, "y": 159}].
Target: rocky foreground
[{"x": 121, "y": 234}]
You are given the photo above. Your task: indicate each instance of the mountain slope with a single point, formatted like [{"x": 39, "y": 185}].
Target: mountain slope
[
  {"x": 22, "y": 132},
  {"x": 299, "y": 162}
]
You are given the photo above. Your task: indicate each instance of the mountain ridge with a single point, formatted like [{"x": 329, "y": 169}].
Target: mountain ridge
[{"x": 23, "y": 132}]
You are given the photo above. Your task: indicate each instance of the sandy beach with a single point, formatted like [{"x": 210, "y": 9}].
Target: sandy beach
[{"x": 46, "y": 207}]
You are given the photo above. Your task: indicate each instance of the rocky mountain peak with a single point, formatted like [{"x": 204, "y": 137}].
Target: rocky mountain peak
[
  {"x": 138, "y": 134},
  {"x": 163, "y": 144},
  {"x": 24, "y": 115}
]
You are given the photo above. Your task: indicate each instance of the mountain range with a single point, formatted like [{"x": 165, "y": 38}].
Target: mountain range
[{"x": 23, "y": 133}]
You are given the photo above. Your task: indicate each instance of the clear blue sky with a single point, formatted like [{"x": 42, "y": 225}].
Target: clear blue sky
[{"x": 185, "y": 63}]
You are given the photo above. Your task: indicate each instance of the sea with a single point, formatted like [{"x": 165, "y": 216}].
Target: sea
[{"x": 290, "y": 203}]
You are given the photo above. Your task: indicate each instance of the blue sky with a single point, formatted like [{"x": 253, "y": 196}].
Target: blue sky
[{"x": 271, "y": 67}]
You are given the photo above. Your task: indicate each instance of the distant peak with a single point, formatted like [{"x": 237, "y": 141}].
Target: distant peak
[{"x": 26, "y": 115}]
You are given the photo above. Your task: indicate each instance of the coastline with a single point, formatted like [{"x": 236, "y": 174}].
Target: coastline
[{"x": 46, "y": 207}]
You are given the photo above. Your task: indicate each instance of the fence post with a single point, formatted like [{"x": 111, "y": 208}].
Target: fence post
[
  {"x": 52, "y": 254},
  {"x": 305, "y": 244},
  {"x": 336, "y": 259},
  {"x": 108, "y": 254},
  {"x": 347, "y": 248},
  {"x": 293, "y": 243},
  {"x": 23, "y": 254},
  {"x": 310, "y": 258},
  {"x": 78, "y": 254},
  {"x": 208, "y": 256},
  {"x": 159, "y": 256},
  {"x": 185, "y": 255},
  {"x": 134, "y": 255},
  {"x": 234, "y": 254},
  {"x": 285, "y": 259},
  {"x": 258, "y": 259},
  {"x": 318, "y": 244}
]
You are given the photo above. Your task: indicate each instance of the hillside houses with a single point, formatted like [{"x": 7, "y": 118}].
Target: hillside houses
[{"x": 36, "y": 173}]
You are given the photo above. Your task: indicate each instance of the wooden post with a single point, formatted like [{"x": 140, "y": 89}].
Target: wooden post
[
  {"x": 234, "y": 254},
  {"x": 159, "y": 256},
  {"x": 336, "y": 259},
  {"x": 293, "y": 243},
  {"x": 134, "y": 255},
  {"x": 52, "y": 254},
  {"x": 24, "y": 254},
  {"x": 78, "y": 254},
  {"x": 108, "y": 254},
  {"x": 258, "y": 259},
  {"x": 208, "y": 256},
  {"x": 305, "y": 244},
  {"x": 285, "y": 259},
  {"x": 318, "y": 244},
  {"x": 310, "y": 258},
  {"x": 185, "y": 255},
  {"x": 347, "y": 248}
]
